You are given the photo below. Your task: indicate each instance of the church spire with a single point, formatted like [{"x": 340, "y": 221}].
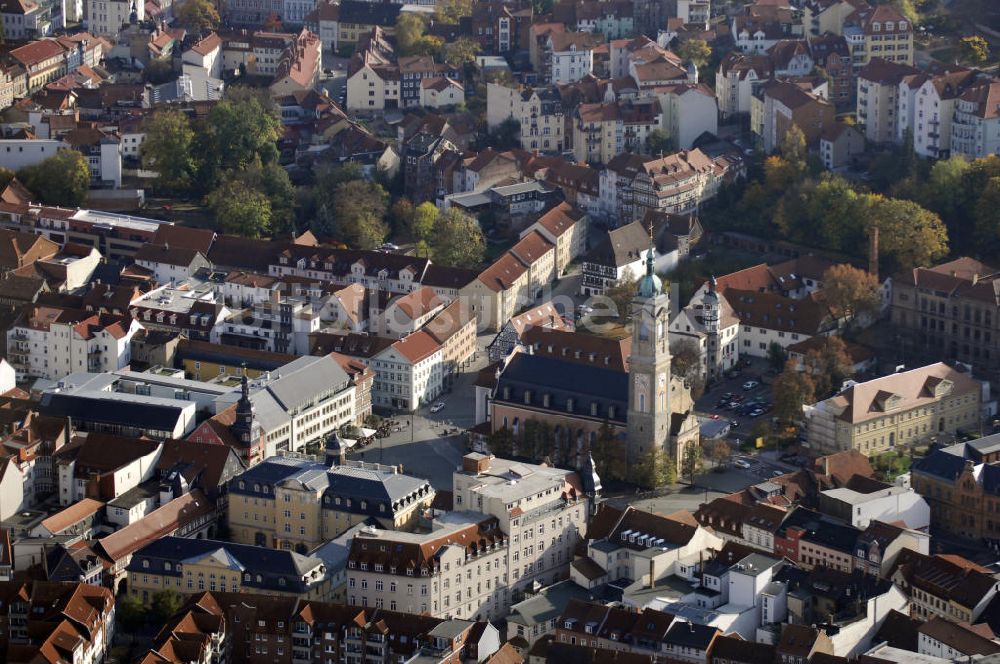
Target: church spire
[{"x": 650, "y": 285}]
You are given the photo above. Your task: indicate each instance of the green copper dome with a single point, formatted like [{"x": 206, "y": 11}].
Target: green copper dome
[{"x": 650, "y": 285}]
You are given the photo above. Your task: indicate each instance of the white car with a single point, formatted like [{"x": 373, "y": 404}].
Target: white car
[
  {"x": 437, "y": 407},
  {"x": 741, "y": 463},
  {"x": 750, "y": 384}
]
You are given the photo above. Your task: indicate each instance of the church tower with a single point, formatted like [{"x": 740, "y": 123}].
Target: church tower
[
  {"x": 649, "y": 412},
  {"x": 245, "y": 426},
  {"x": 710, "y": 316}
]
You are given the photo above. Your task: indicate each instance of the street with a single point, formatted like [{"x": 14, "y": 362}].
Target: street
[{"x": 421, "y": 446}]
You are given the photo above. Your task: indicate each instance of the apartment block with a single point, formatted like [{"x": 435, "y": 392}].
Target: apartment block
[
  {"x": 192, "y": 565},
  {"x": 539, "y": 112},
  {"x": 515, "y": 525},
  {"x": 900, "y": 409},
  {"x": 297, "y": 504}
]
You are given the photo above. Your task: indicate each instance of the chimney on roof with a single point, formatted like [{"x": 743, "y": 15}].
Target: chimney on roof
[{"x": 975, "y": 278}]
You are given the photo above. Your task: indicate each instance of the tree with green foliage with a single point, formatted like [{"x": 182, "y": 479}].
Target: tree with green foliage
[
  {"x": 6, "y": 175},
  {"x": 691, "y": 463},
  {"x": 501, "y": 442},
  {"x": 241, "y": 210},
  {"x": 659, "y": 142},
  {"x": 412, "y": 37},
  {"x": 619, "y": 296},
  {"x": 943, "y": 190},
  {"x": 62, "y": 179},
  {"x": 410, "y": 28},
  {"x": 422, "y": 227},
  {"x": 457, "y": 240},
  {"x": 157, "y": 72},
  {"x": 239, "y": 129},
  {"x": 987, "y": 211},
  {"x": 542, "y": 7},
  {"x": 776, "y": 356},
  {"x": 324, "y": 224},
  {"x": 360, "y": 210},
  {"x": 461, "y": 52},
  {"x": 695, "y": 51},
  {"x": 608, "y": 453},
  {"x": 130, "y": 614},
  {"x": 974, "y": 49},
  {"x": 165, "y": 604},
  {"x": 271, "y": 180},
  {"x": 451, "y": 11},
  {"x": 506, "y": 135},
  {"x": 794, "y": 149},
  {"x": 654, "y": 469},
  {"x": 400, "y": 217},
  {"x": 685, "y": 358},
  {"x": 909, "y": 235},
  {"x": 197, "y": 15},
  {"x": 827, "y": 212},
  {"x": 536, "y": 440},
  {"x": 792, "y": 389}
]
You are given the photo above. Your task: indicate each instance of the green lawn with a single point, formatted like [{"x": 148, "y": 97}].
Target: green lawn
[{"x": 890, "y": 465}]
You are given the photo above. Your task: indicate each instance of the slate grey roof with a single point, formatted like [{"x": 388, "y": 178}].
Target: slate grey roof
[
  {"x": 563, "y": 381},
  {"x": 943, "y": 464},
  {"x": 299, "y": 382},
  {"x": 129, "y": 410},
  {"x": 358, "y": 484},
  {"x": 272, "y": 565},
  {"x": 549, "y": 603},
  {"x": 821, "y": 530},
  {"x": 291, "y": 387},
  {"x": 691, "y": 635}
]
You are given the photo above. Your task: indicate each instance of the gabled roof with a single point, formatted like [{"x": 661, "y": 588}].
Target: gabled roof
[
  {"x": 166, "y": 254},
  {"x": 417, "y": 346},
  {"x": 960, "y": 637},
  {"x": 73, "y": 514},
  {"x": 900, "y": 392},
  {"x": 559, "y": 342},
  {"x": 36, "y": 52},
  {"x": 382, "y": 14},
  {"x": 503, "y": 273},
  {"x": 610, "y": 523},
  {"x": 560, "y": 219},
  {"x": 156, "y": 526}
]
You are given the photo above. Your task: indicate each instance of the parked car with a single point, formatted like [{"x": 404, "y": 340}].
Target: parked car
[
  {"x": 437, "y": 407},
  {"x": 750, "y": 384}
]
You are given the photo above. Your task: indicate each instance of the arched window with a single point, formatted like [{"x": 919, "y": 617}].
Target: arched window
[{"x": 517, "y": 425}]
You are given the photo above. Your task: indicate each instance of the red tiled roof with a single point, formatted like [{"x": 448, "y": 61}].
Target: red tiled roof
[{"x": 417, "y": 346}]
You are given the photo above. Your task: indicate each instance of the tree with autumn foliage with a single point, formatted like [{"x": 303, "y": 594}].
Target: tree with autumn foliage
[
  {"x": 829, "y": 365},
  {"x": 850, "y": 292},
  {"x": 792, "y": 389},
  {"x": 197, "y": 15}
]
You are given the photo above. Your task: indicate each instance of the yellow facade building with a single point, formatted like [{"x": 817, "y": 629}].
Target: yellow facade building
[{"x": 297, "y": 504}]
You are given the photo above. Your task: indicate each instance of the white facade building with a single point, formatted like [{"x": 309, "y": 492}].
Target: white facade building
[
  {"x": 51, "y": 343},
  {"x": 408, "y": 374}
]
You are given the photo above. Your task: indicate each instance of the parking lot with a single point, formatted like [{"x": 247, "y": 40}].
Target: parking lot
[{"x": 743, "y": 400}]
